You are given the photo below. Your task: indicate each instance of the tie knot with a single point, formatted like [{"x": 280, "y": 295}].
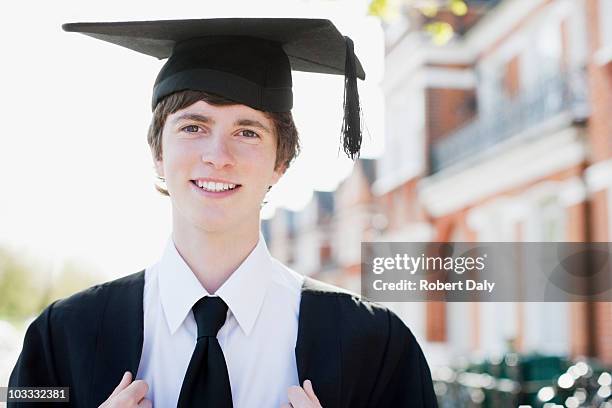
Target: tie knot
[{"x": 209, "y": 313}]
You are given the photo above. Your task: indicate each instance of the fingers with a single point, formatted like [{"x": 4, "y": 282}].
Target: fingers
[
  {"x": 125, "y": 381},
  {"x": 145, "y": 403},
  {"x": 298, "y": 398},
  {"x": 135, "y": 392},
  {"x": 302, "y": 397},
  {"x": 310, "y": 392},
  {"x": 129, "y": 393}
]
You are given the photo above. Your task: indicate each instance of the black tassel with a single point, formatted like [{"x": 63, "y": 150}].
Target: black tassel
[{"x": 351, "y": 124}]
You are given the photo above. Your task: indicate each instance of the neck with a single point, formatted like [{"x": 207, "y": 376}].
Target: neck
[{"x": 214, "y": 256}]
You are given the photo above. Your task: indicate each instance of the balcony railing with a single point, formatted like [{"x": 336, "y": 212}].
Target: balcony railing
[{"x": 549, "y": 98}]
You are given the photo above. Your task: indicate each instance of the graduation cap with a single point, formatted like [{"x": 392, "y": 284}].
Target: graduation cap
[{"x": 247, "y": 60}]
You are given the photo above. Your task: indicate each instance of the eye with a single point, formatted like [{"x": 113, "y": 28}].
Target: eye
[
  {"x": 248, "y": 134},
  {"x": 191, "y": 128}
]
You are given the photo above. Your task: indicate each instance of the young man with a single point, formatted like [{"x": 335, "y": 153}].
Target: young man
[{"x": 218, "y": 322}]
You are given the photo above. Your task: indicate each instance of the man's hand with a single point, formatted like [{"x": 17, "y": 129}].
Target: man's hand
[
  {"x": 128, "y": 395},
  {"x": 302, "y": 397}
]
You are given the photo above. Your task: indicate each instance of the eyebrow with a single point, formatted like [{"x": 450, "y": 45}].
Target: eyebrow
[
  {"x": 252, "y": 123},
  {"x": 193, "y": 116},
  {"x": 206, "y": 119}
]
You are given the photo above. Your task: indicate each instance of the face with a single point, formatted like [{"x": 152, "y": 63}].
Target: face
[{"x": 218, "y": 162}]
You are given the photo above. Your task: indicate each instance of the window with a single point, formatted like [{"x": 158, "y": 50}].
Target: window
[{"x": 605, "y": 23}]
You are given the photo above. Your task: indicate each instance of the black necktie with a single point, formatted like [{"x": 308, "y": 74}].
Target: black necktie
[{"x": 206, "y": 383}]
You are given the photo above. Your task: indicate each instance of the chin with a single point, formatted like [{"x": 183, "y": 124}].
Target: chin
[
  {"x": 211, "y": 228},
  {"x": 212, "y": 224},
  {"x": 216, "y": 221}
]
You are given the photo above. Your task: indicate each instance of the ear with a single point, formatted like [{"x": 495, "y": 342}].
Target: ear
[
  {"x": 277, "y": 174},
  {"x": 158, "y": 164}
]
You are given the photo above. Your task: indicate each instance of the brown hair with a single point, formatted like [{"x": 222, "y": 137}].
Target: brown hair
[{"x": 287, "y": 141}]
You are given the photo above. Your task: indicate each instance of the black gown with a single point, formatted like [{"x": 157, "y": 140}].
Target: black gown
[{"x": 356, "y": 353}]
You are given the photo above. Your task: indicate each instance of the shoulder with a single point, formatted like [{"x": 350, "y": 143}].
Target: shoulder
[
  {"x": 93, "y": 297},
  {"x": 89, "y": 304},
  {"x": 360, "y": 315},
  {"x": 364, "y": 328},
  {"x": 68, "y": 329},
  {"x": 352, "y": 303}
]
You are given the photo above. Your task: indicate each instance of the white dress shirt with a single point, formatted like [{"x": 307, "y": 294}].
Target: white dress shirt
[{"x": 258, "y": 337}]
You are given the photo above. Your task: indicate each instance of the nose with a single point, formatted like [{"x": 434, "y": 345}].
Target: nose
[{"x": 217, "y": 152}]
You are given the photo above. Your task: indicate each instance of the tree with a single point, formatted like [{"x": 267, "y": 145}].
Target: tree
[
  {"x": 440, "y": 19},
  {"x": 28, "y": 285},
  {"x": 20, "y": 286}
]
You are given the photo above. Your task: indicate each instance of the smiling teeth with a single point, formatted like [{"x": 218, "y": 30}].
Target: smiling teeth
[{"x": 214, "y": 187}]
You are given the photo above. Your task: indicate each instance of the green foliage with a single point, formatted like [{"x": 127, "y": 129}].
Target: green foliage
[
  {"x": 20, "y": 292},
  {"x": 27, "y": 287},
  {"x": 387, "y": 10},
  {"x": 73, "y": 277},
  {"x": 458, "y": 7},
  {"x": 440, "y": 32}
]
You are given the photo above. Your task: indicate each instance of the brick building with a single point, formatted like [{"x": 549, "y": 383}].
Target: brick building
[{"x": 503, "y": 134}]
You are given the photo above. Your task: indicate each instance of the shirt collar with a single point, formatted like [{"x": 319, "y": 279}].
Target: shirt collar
[{"x": 243, "y": 291}]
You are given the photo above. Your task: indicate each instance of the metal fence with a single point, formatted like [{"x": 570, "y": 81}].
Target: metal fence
[{"x": 549, "y": 97}]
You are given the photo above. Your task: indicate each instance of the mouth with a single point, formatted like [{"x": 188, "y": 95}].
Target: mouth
[{"x": 215, "y": 188}]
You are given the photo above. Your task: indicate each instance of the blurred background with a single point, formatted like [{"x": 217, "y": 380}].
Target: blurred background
[{"x": 487, "y": 121}]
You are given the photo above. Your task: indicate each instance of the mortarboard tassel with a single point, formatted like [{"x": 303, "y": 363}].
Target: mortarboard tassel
[{"x": 351, "y": 124}]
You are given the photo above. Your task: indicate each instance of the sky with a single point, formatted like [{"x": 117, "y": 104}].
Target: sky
[{"x": 77, "y": 172}]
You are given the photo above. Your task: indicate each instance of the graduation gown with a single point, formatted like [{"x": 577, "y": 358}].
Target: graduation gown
[{"x": 356, "y": 353}]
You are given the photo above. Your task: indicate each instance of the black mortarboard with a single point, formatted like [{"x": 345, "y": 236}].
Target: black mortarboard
[{"x": 248, "y": 60}]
